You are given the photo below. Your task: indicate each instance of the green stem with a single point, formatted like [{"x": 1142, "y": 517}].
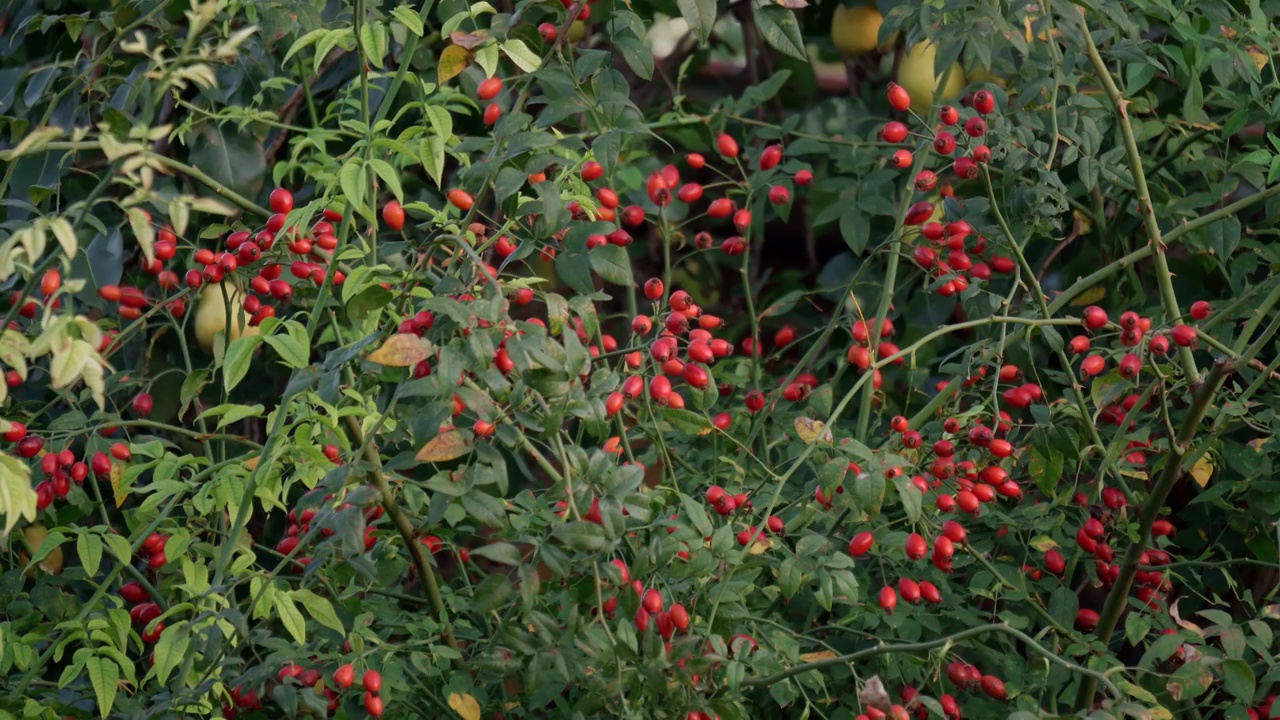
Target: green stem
[
  {"x": 1163, "y": 277},
  {"x": 1178, "y": 447}
]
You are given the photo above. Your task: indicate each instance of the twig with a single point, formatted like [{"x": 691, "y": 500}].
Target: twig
[{"x": 883, "y": 649}]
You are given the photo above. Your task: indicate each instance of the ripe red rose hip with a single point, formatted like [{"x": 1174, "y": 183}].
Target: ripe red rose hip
[
  {"x": 899, "y": 98},
  {"x": 893, "y": 132},
  {"x": 727, "y": 146}
]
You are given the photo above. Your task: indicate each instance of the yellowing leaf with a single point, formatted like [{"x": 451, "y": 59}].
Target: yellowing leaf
[
  {"x": 759, "y": 548},
  {"x": 444, "y": 447},
  {"x": 816, "y": 656},
  {"x": 1259, "y": 57},
  {"x": 401, "y": 350},
  {"x": 252, "y": 463},
  {"x": 1090, "y": 296},
  {"x": 465, "y": 705},
  {"x": 17, "y": 498},
  {"x": 1043, "y": 543},
  {"x": 117, "y": 481},
  {"x": 811, "y": 431},
  {"x": 469, "y": 40},
  {"x": 453, "y": 60},
  {"x": 1202, "y": 470}
]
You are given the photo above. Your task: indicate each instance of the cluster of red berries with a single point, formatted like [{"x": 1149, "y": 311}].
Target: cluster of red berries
[
  {"x": 244, "y": 249},
  {"x": 1133, "y": 329},
  {"x": 961, "y": 245},
  {"x": 144, "y": 611},
  {"x": 300, "y": 524},
  {"x": 61, "y": 469}
]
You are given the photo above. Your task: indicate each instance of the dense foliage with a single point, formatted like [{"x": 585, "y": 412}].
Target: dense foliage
[{"x": 647, "y": 359}]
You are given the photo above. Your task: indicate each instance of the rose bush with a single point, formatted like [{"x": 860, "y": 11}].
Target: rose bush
[{"x": 510, "y": 360}]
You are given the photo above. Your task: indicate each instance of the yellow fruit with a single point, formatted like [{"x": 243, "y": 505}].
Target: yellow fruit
[
  {"x": 982, "y": 75},
  {"x": 577, "y": 30},
  {"x": 211, "y": 318},
  {"x": 854, "y": 30},
  {"x": 917, "y": 76},
  {"x": 36, "y": 535}
]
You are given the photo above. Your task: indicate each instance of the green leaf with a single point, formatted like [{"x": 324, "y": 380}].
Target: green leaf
[
  {"x": 409, "y": 18},
  {"x": 293, "y": 348},
  {"x": 611, "y": 263},
  {"x": 1239, "y": 680},
  {"x": 500, "y": 552},
  {"x": 389, "y": 176},
  {"x": 581, "y": 535},
  {"x": 291, "y": 618},
  {"x": 574, "y": 269},
  {"x": 855, "y": 229},
  {"x": 687, "y": 422},
  {"x": 120, "y": 547},
  {"x": 235, "y": 365},
  {"x": 320, "y": 610},
  {"x": 374, "y": 42},
  {"x": 779, "y": 28},
  {"x": 789, "y": 577},
  {"x": 170, "y": 649},
  {"x": 701, "y": 16},
  {"x": 89, "y": 548},
  {"x": 104, "y": 675},
  {"x": 352, "y": 180},
  {"x": 520, "y": 54},
  {"x": 868, "y": 492},
  {"x": 912, "y": 498},
  {"x": 302, "y": 43},
  {"x": 697, "y": 515}
]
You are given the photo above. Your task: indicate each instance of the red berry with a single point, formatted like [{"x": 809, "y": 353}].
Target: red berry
[
  {"x": 893, "y": 132},
  {"x": 1184, "y": 336},
  {"x": 489, "y": 88},
  {"x": 992, "y": 685},
  {"x": 393, "y": 215},
  {"x": 803, "y": 178},
  {"x": 372, "y": 681},
  {"x": 281, "y": 201},
  {"x": 373, "y": 704},
  {"x": 984, "y": 102},
  {"x": 861, "y": 543},
  {"x": 899, "y": 98},
  {"x": 888, "y": 597},
  {"x": 726, "y": 145},
  {"x": 142, "y": 404}
]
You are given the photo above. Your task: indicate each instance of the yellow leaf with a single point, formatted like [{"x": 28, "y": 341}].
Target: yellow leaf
[
  {"x": 401, "y": 350},
  {"x": 1202, "y": 470},
  {"x": 759, "y": 548},
  {"x": 816, "y": 656},
  {"x": 1090, "y": 296},
  {"x": 1259, "y": 57},
  {"x": 117, "y": 480},
  {"x": 811, "y": 431},
  {"x": 252, "y": 463},
  {"x": 1257, "y": 443},
  {"x": 453, "y": 60},
  {"x": 1043, "y": 543},
  {"x": 444, "y": 447},
  {"x": 1082, "y": 223},
  {"x": 465, "y": 705}
]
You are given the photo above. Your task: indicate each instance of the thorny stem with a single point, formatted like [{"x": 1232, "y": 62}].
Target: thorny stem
[
  {"x": 883, "y": 649},
  {"x": 1172, "y": 471}
]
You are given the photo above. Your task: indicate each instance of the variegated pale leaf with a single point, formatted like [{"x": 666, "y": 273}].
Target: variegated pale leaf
[{"x": 17, "y": 498}]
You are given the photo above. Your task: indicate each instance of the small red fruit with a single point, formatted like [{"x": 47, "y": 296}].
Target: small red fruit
[
  {"x": 888, "y": 596},
  {"x": 726, "y": 145},
  {"x": 489, "y": 89},
  {"x": 861, "y": 543},
  {"x": 372, "y": 681},
  {"x": 899, "y": 98}
]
